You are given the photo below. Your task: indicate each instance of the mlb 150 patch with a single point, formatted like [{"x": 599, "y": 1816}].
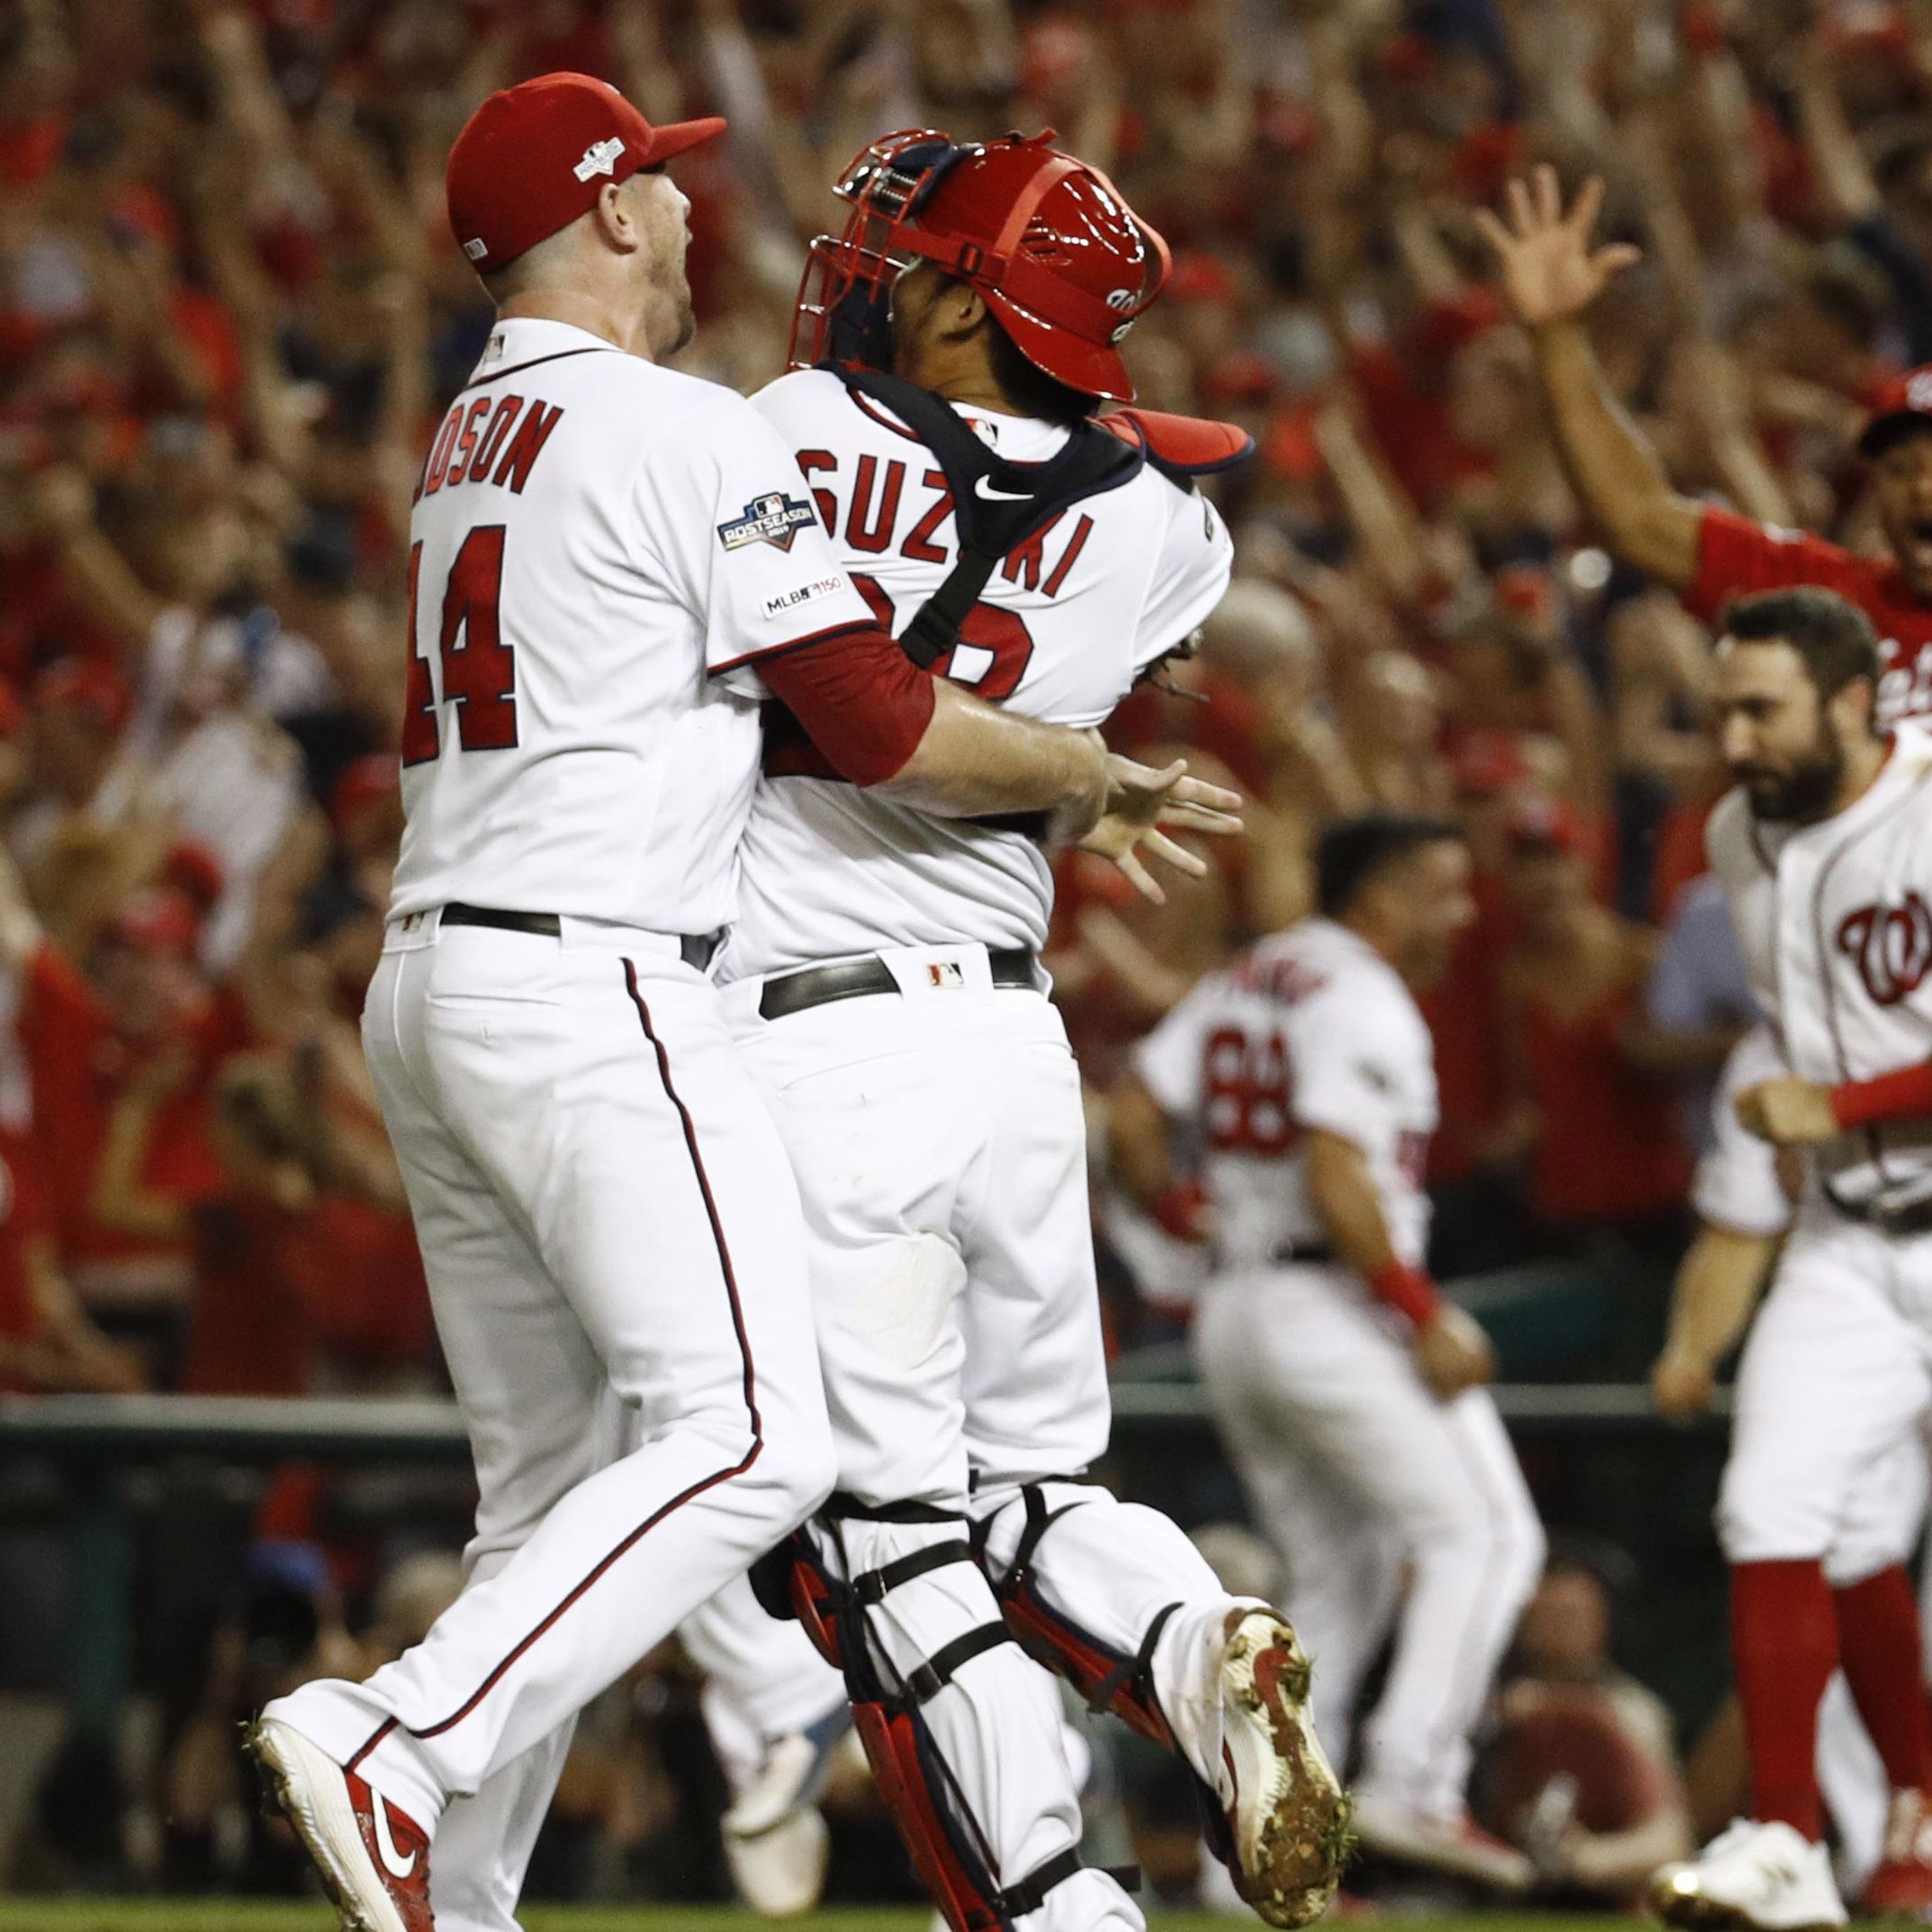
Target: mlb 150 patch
[{"x": 773, "y": 519}]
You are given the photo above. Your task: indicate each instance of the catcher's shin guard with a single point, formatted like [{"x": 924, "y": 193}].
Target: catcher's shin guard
[
  {"x": 946, "y": 1845},
  {"x": 1108, "y": 1680}
]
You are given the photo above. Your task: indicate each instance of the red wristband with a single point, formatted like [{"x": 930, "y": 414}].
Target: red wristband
[
  {"x": 1903, "y": 1094},
  {"x": 1409, "y": 1290},
  {"x": 1181, "y": 1210}
]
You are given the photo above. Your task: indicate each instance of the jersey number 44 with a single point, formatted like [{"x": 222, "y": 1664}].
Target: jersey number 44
[{"x": 479, "y": 669}]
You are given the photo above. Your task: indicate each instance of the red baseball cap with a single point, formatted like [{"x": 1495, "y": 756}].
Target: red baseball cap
[
  {"x": 532, "y": 158},
  {"x": 1540, "y": 823},
  {"x": 82, "y": 684},
  {"x": 1904, "y": 404},
  {"x": 163, "y": 920},
  {"x": 1487, "y": 763}
]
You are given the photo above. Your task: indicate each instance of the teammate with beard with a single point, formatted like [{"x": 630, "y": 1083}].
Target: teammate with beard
[{"x": 1824, "y": 852}]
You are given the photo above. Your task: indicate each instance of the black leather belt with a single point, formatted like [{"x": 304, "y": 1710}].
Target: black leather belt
[
  {"x": 1904, "y": 1218},
  {"x": 861, "y": 978},
  {"x": 693, "y": 948},
  {"x": 1303, "y": 1255}
]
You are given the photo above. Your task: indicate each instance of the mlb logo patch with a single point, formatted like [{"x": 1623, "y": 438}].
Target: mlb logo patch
[
  {"x": 775, "y": 520},
  {"x": 945, "y": 974}
]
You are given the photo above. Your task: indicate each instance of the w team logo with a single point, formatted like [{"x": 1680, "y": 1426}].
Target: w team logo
[{"x": 1890, "y": 945}]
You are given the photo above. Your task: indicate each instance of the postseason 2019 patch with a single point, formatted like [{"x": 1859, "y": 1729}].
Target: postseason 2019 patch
[{"x": 775, "y": 520}]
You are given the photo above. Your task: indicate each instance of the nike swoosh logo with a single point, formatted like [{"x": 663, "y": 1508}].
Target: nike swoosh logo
[
  {"x": 394, "y": 1861},
  {"x": 983, "y": 487}
]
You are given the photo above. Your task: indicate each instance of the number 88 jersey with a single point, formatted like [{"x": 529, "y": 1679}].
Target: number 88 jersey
[
  {"x": 1066, "y": 623},
  {"x": 1312, "y": 1029}
]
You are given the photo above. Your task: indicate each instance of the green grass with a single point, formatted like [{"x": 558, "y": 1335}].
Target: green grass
[{"x": 215, "y": 1915}]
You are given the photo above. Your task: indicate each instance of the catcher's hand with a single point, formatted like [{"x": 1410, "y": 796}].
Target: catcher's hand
[{"x": 1142, "y": 804}]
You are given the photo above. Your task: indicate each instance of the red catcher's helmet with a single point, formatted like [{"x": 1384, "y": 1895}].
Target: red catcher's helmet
[{"x": 1064, "y": 262}]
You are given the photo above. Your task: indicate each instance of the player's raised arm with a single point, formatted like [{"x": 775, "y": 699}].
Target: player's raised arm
[{"x": 1551, "y": 274}]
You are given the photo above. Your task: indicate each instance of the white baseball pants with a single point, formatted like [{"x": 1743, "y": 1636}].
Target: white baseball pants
[
  {"x": 1834, "y": 1394},
  {"x": 1357, "y": 1471},
  {"x": 940, "y": 1143},
  {"x": 611, "y": 1238},
  {"x": 765, "y": 1669}
]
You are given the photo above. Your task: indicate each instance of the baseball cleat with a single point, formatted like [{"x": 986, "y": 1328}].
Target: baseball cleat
[
  {"x": 775, "y": 1840},
  {"x": 1286, "y": 1813},
  {"x": 1901, "y": 1888},
  {"x": 1752, "y": 1878},
  {"x": 1456, "y": 1845},
  {"x": 373, "y": 1860}
]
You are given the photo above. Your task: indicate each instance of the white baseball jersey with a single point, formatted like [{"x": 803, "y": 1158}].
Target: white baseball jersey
[
  {"x": 597, "y": 543},
  {"x": 1313, "y": 1028},
  {"x": 1060, "y": 632},
  {"x": 1736, "y": 1184},
  {"x": 1835, "y": 922}
]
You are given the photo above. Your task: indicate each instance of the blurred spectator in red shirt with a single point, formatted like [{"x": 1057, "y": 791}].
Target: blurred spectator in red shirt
[
  {"x": 121, "y": 1070},
  {"x": 1605, "y": 1146},
  {"x": 46, "y": 1340}
]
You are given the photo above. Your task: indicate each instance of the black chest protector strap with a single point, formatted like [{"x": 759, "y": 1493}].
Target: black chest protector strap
[{"x": 997, "y": 505}]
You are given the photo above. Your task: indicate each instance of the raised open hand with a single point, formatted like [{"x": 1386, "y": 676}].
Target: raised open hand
[{"x": 1550, "y": 271}]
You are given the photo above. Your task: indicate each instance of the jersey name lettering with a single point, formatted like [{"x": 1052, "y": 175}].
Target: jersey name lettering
[
  {"x": 887, "y": 508},
  {"x": 475, "y": 435}
]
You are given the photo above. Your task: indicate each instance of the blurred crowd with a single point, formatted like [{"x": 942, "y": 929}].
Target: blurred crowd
[
  {"x": 230, "y": 307},
  {"x": 231, "y": 311}
]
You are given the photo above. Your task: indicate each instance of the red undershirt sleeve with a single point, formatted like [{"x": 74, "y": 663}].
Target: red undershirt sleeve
[
  {"x": 862, "y": 700},
  {"x": 1904, "y": 1094}
]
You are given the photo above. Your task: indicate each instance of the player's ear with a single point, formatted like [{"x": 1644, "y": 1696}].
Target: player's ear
[
  {"x": 1853, "y": 708},
  {"x": 960, "y": 312},
  {"x": 616, "y": 218}
]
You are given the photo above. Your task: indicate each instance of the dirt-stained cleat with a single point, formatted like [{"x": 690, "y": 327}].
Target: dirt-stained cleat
[
  {"x": 374, "y": 1861},
  {"x": 1901, "y": 1888},
  {"x": 1456, "y": 1845},
  {"x": 1752, "y": 1878},
  {"x": 1286, "y": 1813}
]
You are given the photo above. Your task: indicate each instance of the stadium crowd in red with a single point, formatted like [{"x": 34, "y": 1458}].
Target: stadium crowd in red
[{"x": 230, "y": 308}]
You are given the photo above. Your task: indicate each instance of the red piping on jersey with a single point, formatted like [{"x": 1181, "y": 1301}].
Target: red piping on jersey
[
  {"x": 884, "y": 421},
  {"x": 555, "y": 355},
  {"x": 684, "y": 1496}
]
